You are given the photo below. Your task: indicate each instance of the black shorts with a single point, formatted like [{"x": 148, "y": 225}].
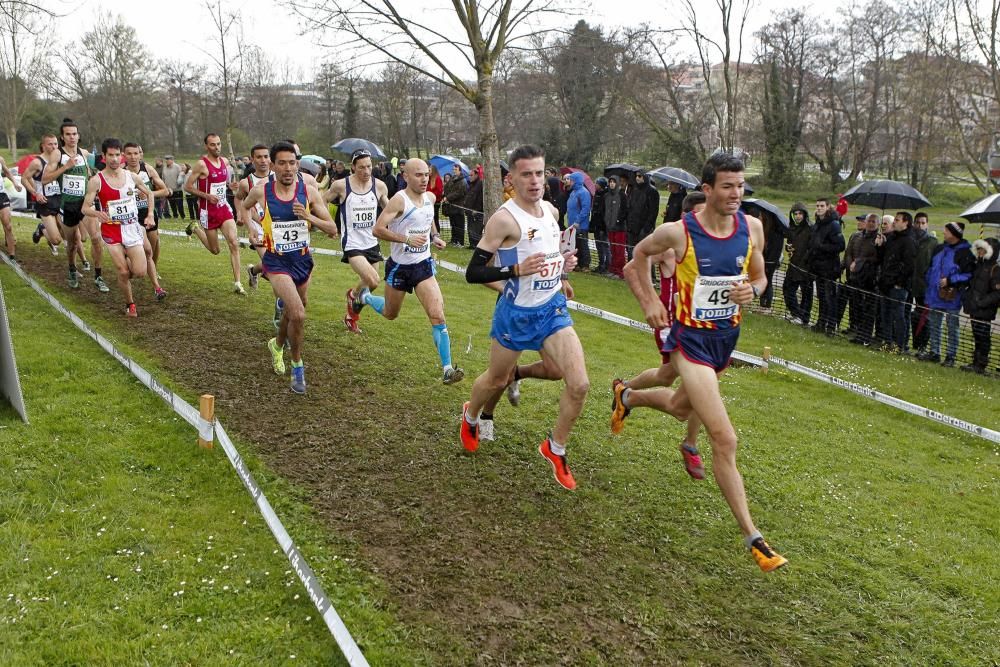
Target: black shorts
[
  {"x": 405, "y": 277},
  {"x": 49, "y": 208},
  {"x": 4, "y": 201},
  {"x": 72, "y": 213},
  {"x": 156, "y": 219},
  {"x": 373, "y": 255}
]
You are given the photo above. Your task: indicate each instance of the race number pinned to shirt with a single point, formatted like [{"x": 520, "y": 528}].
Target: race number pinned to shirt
[
  {"x": 51, "y": 189},
  {"x": 219, "y": 190},
  {"x": 567, "y": 240},
  {"x": 424, "y": 247},
  {"x": 123, "y": 211},
  {"x": 73, "y": 185},
  {"x": 364, "y": 217},
  {"x": 290, "y": 235},
  {"x": 711, "y": 297}
]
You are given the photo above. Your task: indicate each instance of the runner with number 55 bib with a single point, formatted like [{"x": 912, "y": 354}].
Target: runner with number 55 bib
[
  {"x": 209, "y": 182},
  {"x": 720, "y": 268},
  {"x": 121, "y": 229}
]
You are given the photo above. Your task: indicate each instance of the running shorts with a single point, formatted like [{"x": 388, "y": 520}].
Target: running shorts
[
  {"x": 128, "y": 236},
  {"x": 708, "y": 347},
  {"x": 405, "y": 277},
  {"x": 521, "y": 328},
  {"x": 296, "y": 265},
  {"x": 373, "y": 255}
]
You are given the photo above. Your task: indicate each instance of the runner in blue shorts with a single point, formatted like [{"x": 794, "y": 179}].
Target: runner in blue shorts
[
  {"x": 408, "y": 224},
  {"x": 522, "y": 241},
  {"x": 291, "y": 208},
  {"x": 720, "y": 268}
]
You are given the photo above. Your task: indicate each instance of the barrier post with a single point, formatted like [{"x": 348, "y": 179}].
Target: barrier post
[
  {"x": 206, "y": 406},
  {"x": 766, "y": 356}
]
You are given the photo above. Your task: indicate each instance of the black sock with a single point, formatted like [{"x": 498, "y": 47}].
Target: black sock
[
  {"x": 484, "y": 415},
  {"x": 517, "y": 373},
  {"x": 97, "y": 272},
  {"x": 72, "y": 267}
]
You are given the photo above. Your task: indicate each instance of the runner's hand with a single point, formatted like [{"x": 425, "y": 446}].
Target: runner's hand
[
  {"x": 103, "y": 217},
  {"x": 439, "y": 243},
  {"x": 531, "y": 264},
  {"x": 741, "y": 293},
  {"x": 416, "y": 240},
  {"x": 299, "y": 210},
  {"x": 212, "y": 199},
  {"x": 656, "y": 315},
  {"x": 568, "y": 290},
  {"x": 570, "y": 260},
  {"x": 150, "y": 221},
  {"x": 17, "y": 187},
  {"x": 41, "y": 199}
]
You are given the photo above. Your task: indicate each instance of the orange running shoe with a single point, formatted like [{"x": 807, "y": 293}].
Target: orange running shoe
[
  {"x": 468, "y": 433},
  {"x": 692, "y": 461},
  {"x": 767, "y": 558},
  {"x": 618, "y": 410},
  {"x": 560, "y": 469},
  {"x": 130, "y": 311}
]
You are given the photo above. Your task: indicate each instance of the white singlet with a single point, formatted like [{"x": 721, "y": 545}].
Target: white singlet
[
  {"x": 537, "y": 235},
  {"x": 142, "y": 204},
  {"x": 415, "y": 220},
  {"x": 253, "y": 179},
  {"x": 358, "y": 213}
]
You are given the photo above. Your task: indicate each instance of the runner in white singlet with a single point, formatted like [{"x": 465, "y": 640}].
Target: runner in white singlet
[{"x": 261, "y": 157}]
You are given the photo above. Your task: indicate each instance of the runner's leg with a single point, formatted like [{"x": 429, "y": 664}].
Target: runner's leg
[
  {"x": 8, "y": 232},
  {"x": 563, "y": 348},
  {"x": 293, "y": 317},
  {"x": 233, "y": 240}
]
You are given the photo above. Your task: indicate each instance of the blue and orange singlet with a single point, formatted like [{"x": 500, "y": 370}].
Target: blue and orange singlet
[
  {"x": 285, "y": 232},
  {"x": 706, "y": 273}
]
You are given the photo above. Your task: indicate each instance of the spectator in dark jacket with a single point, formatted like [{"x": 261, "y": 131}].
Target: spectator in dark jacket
[
  {"x": 598, "y": 228},
  {"x": 551, "y": 186},
  {"x": 949, "y": 274},
  {"x": 861, "y": 269},
  {"x": 825, "y": 246},
  {"x": 389, "y": 179},
  {"x": 643, "y": 204},
  {"x": 897, "y": 252},
  {"x": 474, "y": 206},
  {"x": 797, "y": 277},
  {"x": 926, "y": 242},
  {"x": 578, "y": 205},
  {"x": 982, "y": 299},
  {"x": 400, "y": 180},
  {"x": 675, "y": 203},
  {"x": 454, "y": 199},
  {"x": 615, "y": 216}
]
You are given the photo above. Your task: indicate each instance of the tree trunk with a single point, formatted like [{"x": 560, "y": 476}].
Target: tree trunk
[
  {"x": 12, "y": 142},
  {"x": 489, "y": 146}
]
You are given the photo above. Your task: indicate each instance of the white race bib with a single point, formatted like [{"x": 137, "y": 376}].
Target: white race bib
[
  {"x": 123, "y": 211},
  {"x": 550, "y": 277},
  {"x": 290, "y": 235},
  {"x": 364, "y": 218},
  {"x": 51, "y": 189},
  {"x": 73, "y": 185},
  {"x": 711, "y": 297},
  {"x": 407, "y": 248},
  {"x": 219, "y": 190}
]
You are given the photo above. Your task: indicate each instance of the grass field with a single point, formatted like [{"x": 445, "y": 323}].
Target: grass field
[{"x": 435, "y": 556}]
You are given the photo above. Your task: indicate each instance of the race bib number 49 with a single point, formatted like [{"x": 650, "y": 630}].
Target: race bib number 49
[
  {"x": 290, "y": 235},
  {"x": 711, "y": 297}
]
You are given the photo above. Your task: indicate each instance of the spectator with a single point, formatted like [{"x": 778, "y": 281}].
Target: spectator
[
  {"x": 323, "y": 178},
  {"x": 926, "y": 242},
  {"x": 178, "y": 189},
  {"x": 508, "y": 188},
  {"x": 389, "y": 180},
  {"x": 578, "y": 205},
  {"x": 562, "y": 199},
  {"x": 843, "y": 293},
  {"x": 551, "y": 186},
  {"x": 599, "y": 228},
  {"x": 339, "y": 171},
  {"x": 674, "y": 209},
  {"x": 861, "y": 260},
  {"x": 643, "y": 205},
  {"x": 981, "y": 300},
  {"x": 825, "y": 245},
  {"x": 170, "y": 173},
  {"x": 400, "y": 180},
  {"x": 897, "y": 252},
  {"x": 950, "y": 272},
  {"x": 774, "y": 244},
  {"x": 615, "y": 216},
  {"x": 842, "y": 206},
  {"x": 436, "y": 187},
  {"x": 192, "y": 201},
  {"x": 797, "y": 277},
  {"x": 454, "y": 198},
  {"x": 474, "y": 206}
]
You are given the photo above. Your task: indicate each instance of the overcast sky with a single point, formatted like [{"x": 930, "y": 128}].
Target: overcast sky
[{"x": 179, "y": 28}]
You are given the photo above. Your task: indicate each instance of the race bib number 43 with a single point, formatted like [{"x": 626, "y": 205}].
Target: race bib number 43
[
  {"x": 711, "y": 297},
  {"x": 290, "y": 235}
]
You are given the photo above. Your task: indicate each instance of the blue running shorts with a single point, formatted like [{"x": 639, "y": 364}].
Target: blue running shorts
[
  {"x": 521, "y": 328},
  {"x": 708, "y": 347}
]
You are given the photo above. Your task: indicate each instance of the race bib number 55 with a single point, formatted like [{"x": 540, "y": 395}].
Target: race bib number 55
[{"x": 711, "y": 297}]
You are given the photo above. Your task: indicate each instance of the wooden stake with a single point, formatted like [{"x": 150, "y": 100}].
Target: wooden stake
[
  {"x": 206, "y": 406},
  {"x": 766, "y": 357}
]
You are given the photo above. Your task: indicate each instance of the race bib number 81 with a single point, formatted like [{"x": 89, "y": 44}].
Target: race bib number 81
[
  {"x": 123, "y": 211},
  {"x": 290, "y": 235},
  {"x": 711, "y": 297}
]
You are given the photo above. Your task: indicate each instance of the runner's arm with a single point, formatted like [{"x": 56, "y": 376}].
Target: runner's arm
[
  {"x": 318, "y": 214},
  {"x": 744, "y": 292},
  {"x": 238, "y": 196},
  {"x": 8, "y": 174},
  {"x": 191, "y": 184},
  {"x": 335, "y": 191},
  {"x": 382, "y": 191},
  {"x": 161, "y": 191},
  {"x": 93, "y": 185},
  {"x": 392, "y": 211},
  {"x": 499, "y": 228},
  {"x": 148, "y": 196},
  {"x": 28, "y": 179},
  {"x": 54, "y": 170}
]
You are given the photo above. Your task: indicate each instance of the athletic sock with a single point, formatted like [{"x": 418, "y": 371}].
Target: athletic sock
[
  {"x": 749, "y": 539},
  {"x": 72, "y": 267},
  {"x": 377, "y": 303},
  {"x": 517, "y": 373},
  {"x": 486, "y": 416},
  {"x": 625, "y": 397},
  {"x": 557, "y": 449},
  {"x": 296, "y": 364},
  {"x": 470, "y": 419},
  {"x": 97, "y": 272},
  {"x": 443, "y": 342}
]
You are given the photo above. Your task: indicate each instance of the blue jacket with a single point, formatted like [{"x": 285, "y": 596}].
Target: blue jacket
[
  {"x": 578, "y": 204},
  {"x": 954, "y": 262}
]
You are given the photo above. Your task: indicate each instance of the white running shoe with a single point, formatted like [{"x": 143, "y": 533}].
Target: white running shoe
[
  {"x": 514, "y": 393},
  {"x": 251, "y": 277},
  {"x": 54, "y": 249},
  {"x": 485, "y": 429},
  {"x": 238, "y": 288}
]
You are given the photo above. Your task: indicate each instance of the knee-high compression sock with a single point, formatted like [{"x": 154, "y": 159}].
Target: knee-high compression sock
[
  {"x": 377, "y": 303},
  {"x": 443, "y": 342}
]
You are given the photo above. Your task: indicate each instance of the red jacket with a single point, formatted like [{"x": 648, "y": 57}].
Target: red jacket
[{"x": 437, "y": 187}]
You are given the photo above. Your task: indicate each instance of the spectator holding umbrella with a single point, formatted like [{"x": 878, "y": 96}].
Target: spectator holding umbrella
[
  {"x": 615, "y": 217},
  {"x": 949, "y": 274},
  {"x": 981, "y": 300},
  {"x": 797, "y": 277},
  {"x": 673, "y": 211},
  {"x": 578, "y": 204},
  {"x": 454, "y": 198},
  {"x": 598, "y": 227}
]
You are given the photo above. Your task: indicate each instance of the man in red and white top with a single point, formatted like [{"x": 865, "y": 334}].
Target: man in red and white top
[
  {"x": 208, "y": 180},
  {"x": 122, "y": 231}
]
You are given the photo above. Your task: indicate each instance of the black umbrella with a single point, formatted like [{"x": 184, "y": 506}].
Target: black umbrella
[
  {"x": 749, "y": 205},
  {"x": 674, "y": 175},
  {"x": 886, "y": 194},
  {"x": 309, "y": 167},
  {"x": 621, "y": 169},
  {"x": 504, "y": 169},
  {"x": 985, "y": 211},
  {"x": 747, "y": 190},
  {"x": 350, "y": 145}
]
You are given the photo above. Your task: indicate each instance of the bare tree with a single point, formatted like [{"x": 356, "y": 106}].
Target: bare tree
[
  {"x": 228, "y": 60},
  {"x": 181, "y": 77},
  {"x": 22, "y": 63},
  {"x": 475, "y": 31}
]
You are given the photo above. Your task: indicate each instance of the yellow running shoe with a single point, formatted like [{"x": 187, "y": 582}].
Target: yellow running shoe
[
  {"x": 767, "y": 558},
  {"x": 618, "y": 410},
  {"x": 277, "y": 356}
]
